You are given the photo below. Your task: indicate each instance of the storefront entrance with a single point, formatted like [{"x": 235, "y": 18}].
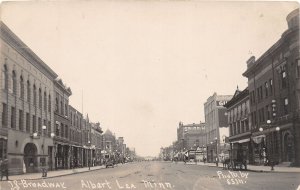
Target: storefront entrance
[{"x": 30, "y": 157}]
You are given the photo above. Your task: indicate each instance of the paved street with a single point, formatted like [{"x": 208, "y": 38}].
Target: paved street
[{"x": 162, "y": 175}]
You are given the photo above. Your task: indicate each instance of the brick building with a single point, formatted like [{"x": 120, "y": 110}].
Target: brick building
[
  {"x": 274, "y": 90},
  {"x": 62, "y": 125},
  {"x": 26, "y": 106},
  {"x": 238, "y": 110}
]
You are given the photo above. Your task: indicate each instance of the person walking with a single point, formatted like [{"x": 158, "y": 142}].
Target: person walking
[{"x": 4, "y": 169}]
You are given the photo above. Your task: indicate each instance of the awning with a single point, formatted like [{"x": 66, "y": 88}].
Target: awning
[
  {"x": 258, "y": 139},
  {"x": 3, "y": 137},
  {"x": 241, "y": 141}
]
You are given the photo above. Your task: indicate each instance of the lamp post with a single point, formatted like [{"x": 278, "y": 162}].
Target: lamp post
[{"x": 44, "y": 169}]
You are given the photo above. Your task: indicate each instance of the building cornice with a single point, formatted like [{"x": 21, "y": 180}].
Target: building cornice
[{"x": 15, "y": 42}]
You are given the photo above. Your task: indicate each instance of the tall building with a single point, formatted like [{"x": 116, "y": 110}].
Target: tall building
[
  {"x": 216, "y": 125},
  {"x": 27, "y": 115},
  {"x": 274, "y": 88}
]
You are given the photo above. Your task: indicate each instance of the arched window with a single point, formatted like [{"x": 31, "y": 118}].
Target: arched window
[
  {"x": 34, "y": 95},
  {"x": 4, "y": 78},
  {"x": 21, "y": 88},
  {"x": 40, "y": 98},
  {"x": 14, "y": 83},
  {"x": 28, "y": 91},
  {"x": 45, "y": 101}
]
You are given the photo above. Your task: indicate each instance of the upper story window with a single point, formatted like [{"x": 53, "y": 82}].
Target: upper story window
[
  {"x": 40, "y": 98},
  {"x": 45, "y": 101},
  {"x": 28, "y": 91},
  {"x": 61, "y": 108},
  {"x": 285, "y": 105},
  {"x": 21, "y": 87},
  {"x": 14, "y": 82},
  {"x": 34, "y": 95},
  {"x": 49, "y": 103},
  {"x": 266, "y": 89},
  {"x": 283, "y": 78},
  {"x": 56, "y": 104},
  {"x": 4, "y": 78}
]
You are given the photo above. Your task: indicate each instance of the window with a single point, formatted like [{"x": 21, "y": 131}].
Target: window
[
  {"x": 21, "y": 88},
  {"x": 45, "y": 101},
  {"x": 21, "y": 118},
  {"x": 27, "y": 122},
  {"x": 266, "y": 89},
  {"x": 14, "y": 82},
  {"x": 268, "y": 113},
  {"x": 61, "y": 108},
  {"x": 49, "y": 103},
  {"x": 4, "y": 78},
  {"x": 271, "y": 86},
  {"x": 62, "y": 130},
  {"x": 56, "y": 104},
  {"x": 40, "y": 125},
  {"x": 4, "y": 115},
  {"x": 67, "y": 129},
  {"x": 285, "y": 106},
  {"x": 57, "y": 129},
  {"x": 34, "y": 124},
  {"x": 13, "y": 117},
  {"x": 28, "y": 91},
  {"x": 34, "y": 95},
  {"x": 40, "y": 98},
  {"x": 45, "y": 124},
  {"x": 49, "y": 128},
  {"x": 66, "y": 109},
  {"x": 283, "y": 78}
]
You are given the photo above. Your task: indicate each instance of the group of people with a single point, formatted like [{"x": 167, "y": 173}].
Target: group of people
[{"x": 4, "y": 169}]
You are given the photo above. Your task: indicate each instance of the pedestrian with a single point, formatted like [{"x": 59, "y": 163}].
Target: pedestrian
[{"x": 4, "y": 169}]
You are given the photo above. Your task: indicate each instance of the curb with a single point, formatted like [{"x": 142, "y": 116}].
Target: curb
[{"x": 58, "y": 175}]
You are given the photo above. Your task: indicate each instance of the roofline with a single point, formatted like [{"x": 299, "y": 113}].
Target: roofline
[{"x": 12, "y": 39}]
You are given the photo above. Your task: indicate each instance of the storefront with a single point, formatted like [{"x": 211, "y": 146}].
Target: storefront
[{"x": 259, "y": 149}]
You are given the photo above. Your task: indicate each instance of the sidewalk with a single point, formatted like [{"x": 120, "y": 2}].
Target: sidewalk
[
  {"x": 56, "y": 173},
  {"x": 254, "y": 168}
]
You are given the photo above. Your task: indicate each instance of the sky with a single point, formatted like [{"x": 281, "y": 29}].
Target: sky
[{"x": 141, "y": 67}]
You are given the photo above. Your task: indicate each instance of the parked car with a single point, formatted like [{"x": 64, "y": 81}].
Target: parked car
[{"x": 109, "y": 163}]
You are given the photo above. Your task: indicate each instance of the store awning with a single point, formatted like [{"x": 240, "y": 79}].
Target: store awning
[
  {"x": 241, "y": 141},
  {"x": 258, "y": 139}
]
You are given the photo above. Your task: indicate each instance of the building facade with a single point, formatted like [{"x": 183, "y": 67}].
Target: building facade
[
  {"x": 62, "y": 125},
  {"x": 238, "y": 110},
  {"x": 26, "y": 105},
  {"x": 216, "y": 125},
  {"x": 274, "y": 88}
]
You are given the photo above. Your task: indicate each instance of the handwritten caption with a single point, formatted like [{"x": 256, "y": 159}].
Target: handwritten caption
[
  {"x": 87, "y": 185},
  {"x": 233, "y": 178}
]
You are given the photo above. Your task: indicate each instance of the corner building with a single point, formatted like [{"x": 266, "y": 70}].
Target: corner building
[
  {"x": 274, "y": 93},
  {"x": 26, "y": 106}
]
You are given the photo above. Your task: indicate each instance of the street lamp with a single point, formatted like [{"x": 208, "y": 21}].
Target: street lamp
[
  {"x": 217, "y": 158},
  {"x": 44, "y": 127}
]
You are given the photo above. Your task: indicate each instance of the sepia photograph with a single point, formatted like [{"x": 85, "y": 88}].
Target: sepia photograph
[{"x": 149, "y": 95}]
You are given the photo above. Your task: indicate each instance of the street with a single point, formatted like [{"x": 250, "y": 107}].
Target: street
[{"x": 162, "y": 175}]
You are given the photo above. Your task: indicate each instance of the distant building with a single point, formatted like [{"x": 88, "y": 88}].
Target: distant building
[
  {"x": 190, "y": 136},
  {"x": 274, "y": 88},
  {"x": 216, "y": 124}
]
